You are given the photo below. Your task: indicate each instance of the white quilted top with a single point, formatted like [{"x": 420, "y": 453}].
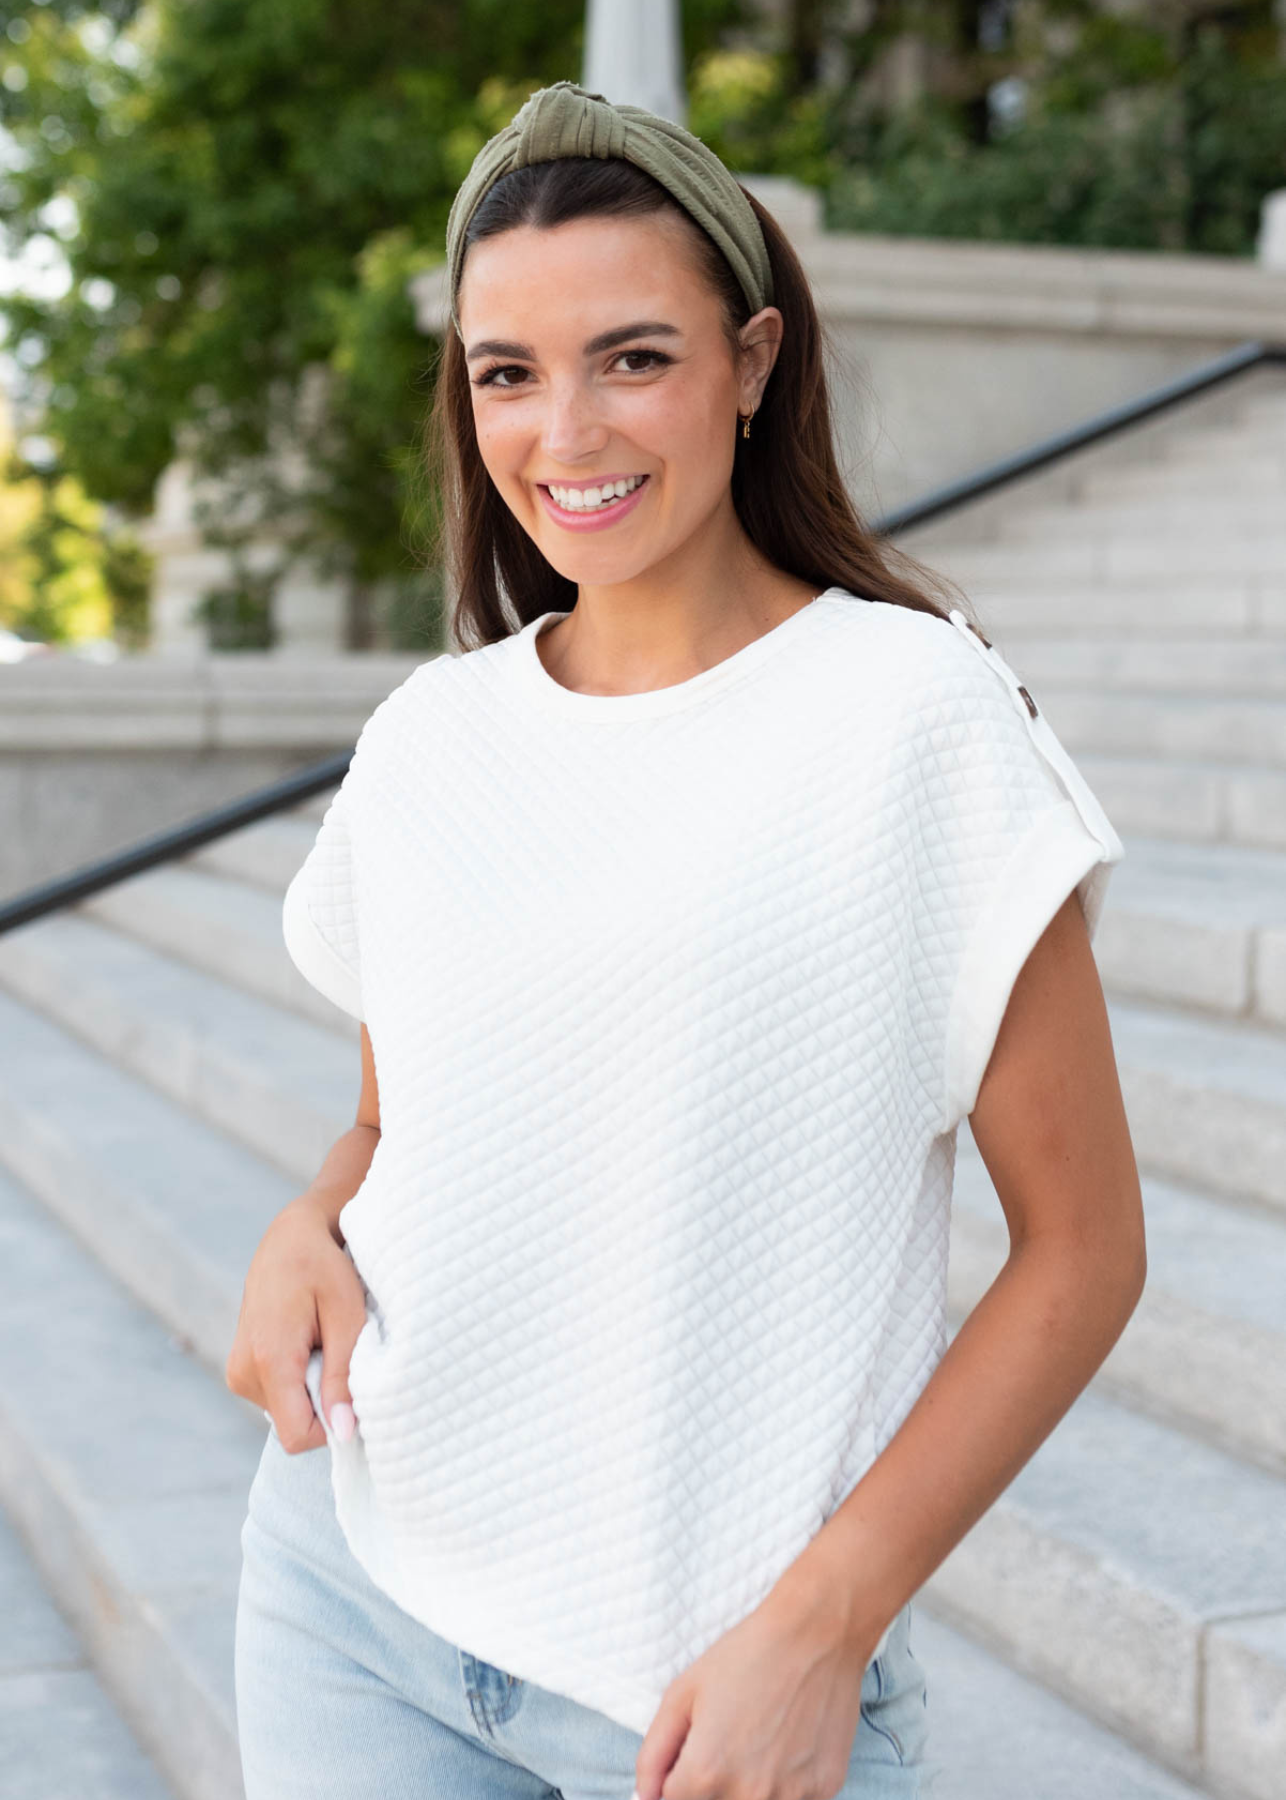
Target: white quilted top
[{"x": 676, "y": 1000}]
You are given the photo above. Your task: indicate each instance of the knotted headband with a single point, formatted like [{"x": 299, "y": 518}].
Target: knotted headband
[{"x": 567, "y": 120}]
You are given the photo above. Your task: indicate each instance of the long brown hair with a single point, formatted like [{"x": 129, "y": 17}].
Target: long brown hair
[{"x": 786, "y": 484}]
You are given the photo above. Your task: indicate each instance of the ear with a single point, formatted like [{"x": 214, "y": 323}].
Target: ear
[{"x": 760, "y": 341}]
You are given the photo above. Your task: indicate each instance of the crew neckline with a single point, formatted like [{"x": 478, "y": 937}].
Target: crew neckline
[{"x": 663, "y": 699}]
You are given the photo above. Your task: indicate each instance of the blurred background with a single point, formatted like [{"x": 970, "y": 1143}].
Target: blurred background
[
  {"x": 218, "y": 218},
  {"x": 1048, "y": 245}
]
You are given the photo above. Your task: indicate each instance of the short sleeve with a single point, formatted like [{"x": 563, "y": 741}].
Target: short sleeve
[
  {"x": 1009, "y": 827},
  {"x": 319, "y": 912}
]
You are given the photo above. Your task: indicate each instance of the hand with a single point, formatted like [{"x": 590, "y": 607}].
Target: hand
[
  {"x": 301, "y": 1290},
  {"x": 770, "y": 1710}
]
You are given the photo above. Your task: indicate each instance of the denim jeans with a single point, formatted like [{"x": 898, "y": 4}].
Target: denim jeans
[{"x": 341, "y": 1695}]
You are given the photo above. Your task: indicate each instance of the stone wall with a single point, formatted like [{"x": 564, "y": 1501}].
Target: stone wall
[{"x": 95, "y": 757}]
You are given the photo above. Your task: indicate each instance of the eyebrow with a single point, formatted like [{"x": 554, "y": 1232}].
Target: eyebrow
[{"x": 606, "y": 340}]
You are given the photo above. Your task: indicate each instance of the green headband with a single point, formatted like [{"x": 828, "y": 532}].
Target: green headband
[{"x": 566, "y": 120}]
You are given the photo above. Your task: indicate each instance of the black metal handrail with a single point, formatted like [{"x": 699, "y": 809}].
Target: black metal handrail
[{"x": 291, "y": 789}]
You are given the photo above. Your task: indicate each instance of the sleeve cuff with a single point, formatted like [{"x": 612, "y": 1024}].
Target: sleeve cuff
[
  {"x": 1058, "y": 854},
  {"x": 315, "y": 959}
]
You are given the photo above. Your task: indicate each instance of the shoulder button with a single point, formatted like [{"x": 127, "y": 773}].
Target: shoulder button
[{"x": 988, "y": 651}]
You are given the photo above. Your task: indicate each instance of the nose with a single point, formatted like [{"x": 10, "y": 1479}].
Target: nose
[{"x": 573, "y": 428}]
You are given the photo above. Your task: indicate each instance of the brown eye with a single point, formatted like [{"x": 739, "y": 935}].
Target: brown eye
[
  {"x": 488, "y": 376},
  {"x": 656, "y": 356}
]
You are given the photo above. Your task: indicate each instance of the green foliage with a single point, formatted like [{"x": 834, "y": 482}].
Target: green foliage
[
  {"x": 1126, "y": 146},
  {"x": 1060, "y": 179},
  {"x": 239, "y": 616},
  {"x": 66, "y": 571},
  {"x": 127, "y": 573},
  {"x": 1234, "y": 125},
  {"x": 742, "y": 103}
]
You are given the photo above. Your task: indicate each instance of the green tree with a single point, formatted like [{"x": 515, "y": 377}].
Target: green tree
[
  {"x": 67, "y": 570},
  {"x": 65, "y": 574},
  {"x": 1155, "y": 130}
]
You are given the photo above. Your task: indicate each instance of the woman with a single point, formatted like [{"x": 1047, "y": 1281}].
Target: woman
[{"x": 685, "y": 921}]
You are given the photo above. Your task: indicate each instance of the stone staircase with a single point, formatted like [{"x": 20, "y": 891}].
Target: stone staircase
[{"x": 1116, "y": 1624}]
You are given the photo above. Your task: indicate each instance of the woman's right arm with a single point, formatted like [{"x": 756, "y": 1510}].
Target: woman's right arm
[{"x": 301, "y": 1290}]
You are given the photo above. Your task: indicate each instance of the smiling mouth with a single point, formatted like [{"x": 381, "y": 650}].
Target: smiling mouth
[{"x": 592, "y": 499}]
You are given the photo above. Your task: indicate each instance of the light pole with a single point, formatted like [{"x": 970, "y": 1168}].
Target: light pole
[{"x": 633, "y": 57}]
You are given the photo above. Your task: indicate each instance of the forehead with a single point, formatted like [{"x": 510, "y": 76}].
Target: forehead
[{"x": 580, "y": 273}]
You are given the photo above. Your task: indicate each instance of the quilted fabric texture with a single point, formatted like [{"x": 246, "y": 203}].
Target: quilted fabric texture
[{"x": 676, "y": 1000}]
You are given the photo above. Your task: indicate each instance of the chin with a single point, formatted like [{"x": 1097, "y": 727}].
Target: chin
[{"x": 603, "y": 573}]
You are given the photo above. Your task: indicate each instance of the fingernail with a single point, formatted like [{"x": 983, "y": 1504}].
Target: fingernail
[{"x": 343, "y": 1421}]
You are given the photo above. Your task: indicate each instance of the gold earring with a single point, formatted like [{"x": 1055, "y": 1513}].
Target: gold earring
[{"x": 745, "y": 422}]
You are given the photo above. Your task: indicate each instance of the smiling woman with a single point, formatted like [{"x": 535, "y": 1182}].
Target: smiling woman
[
  {"x": 682, "y": 911},
  {"x": 604, "y": 336}
]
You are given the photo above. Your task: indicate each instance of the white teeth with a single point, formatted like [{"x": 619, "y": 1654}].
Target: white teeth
[{"x": 585, "y": 499}]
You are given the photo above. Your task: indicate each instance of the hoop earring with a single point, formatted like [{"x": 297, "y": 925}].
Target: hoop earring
[{"x": 745, "y": 422}]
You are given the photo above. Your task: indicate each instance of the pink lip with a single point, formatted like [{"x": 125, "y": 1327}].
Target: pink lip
[{"x": 606, "y": 515}]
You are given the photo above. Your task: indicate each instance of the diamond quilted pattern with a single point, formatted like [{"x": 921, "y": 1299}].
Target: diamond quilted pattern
[
  {"x": 676, "y": 1000},
  {"x": 319, "y": 916}
]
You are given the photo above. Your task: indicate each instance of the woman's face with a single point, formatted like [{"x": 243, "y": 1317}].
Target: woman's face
[{"x": 596, "y": 356}]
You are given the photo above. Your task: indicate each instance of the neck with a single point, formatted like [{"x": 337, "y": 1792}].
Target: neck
[{"x": 707, "y": 600}]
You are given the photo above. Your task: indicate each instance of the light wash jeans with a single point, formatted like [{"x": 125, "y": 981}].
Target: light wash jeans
[{"x": 341, "y": 1695}]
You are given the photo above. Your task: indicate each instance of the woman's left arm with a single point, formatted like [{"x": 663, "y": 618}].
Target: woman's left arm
[{"x": 776, "y": 1693}]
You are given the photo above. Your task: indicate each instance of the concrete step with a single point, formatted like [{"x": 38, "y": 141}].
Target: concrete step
[
  {"x": 1142, "y": 1576},
  {"x": 1266, "y": 407},
  {"x": 1045, "y": 1749},
  {"x": 1208, "y": 668},
  {"x": 126, "y": 1469},
  {"x": 171, "y": 1206},
  {"x": 60, "y": 1734},
  {"x": 315, "y": 807},
  {"x": 1174, "y": 517},
  {"x": 266, "y": 854},
  {"x": 1148, "y": 611},
  {"x": 278, "y": 1084},
  {"x": 1226, "y": 477},
  {"x": 1205, "y": 1349},
  {"x": 1202, "y": 727},
  {"x": 1186, "y": 800},
  {"x": 1215, "y": 442},
  {"x": 1206, "y": 1100},
  {"x": 1095, "y": 556},
  {"x": 1197, "y": 926},
  {"x": 221, "y": 924}
]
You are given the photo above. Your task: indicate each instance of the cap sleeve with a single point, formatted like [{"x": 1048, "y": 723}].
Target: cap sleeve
[
  {"x": 319, "y": 912},
  {"x": 1010, "y": 828}
]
